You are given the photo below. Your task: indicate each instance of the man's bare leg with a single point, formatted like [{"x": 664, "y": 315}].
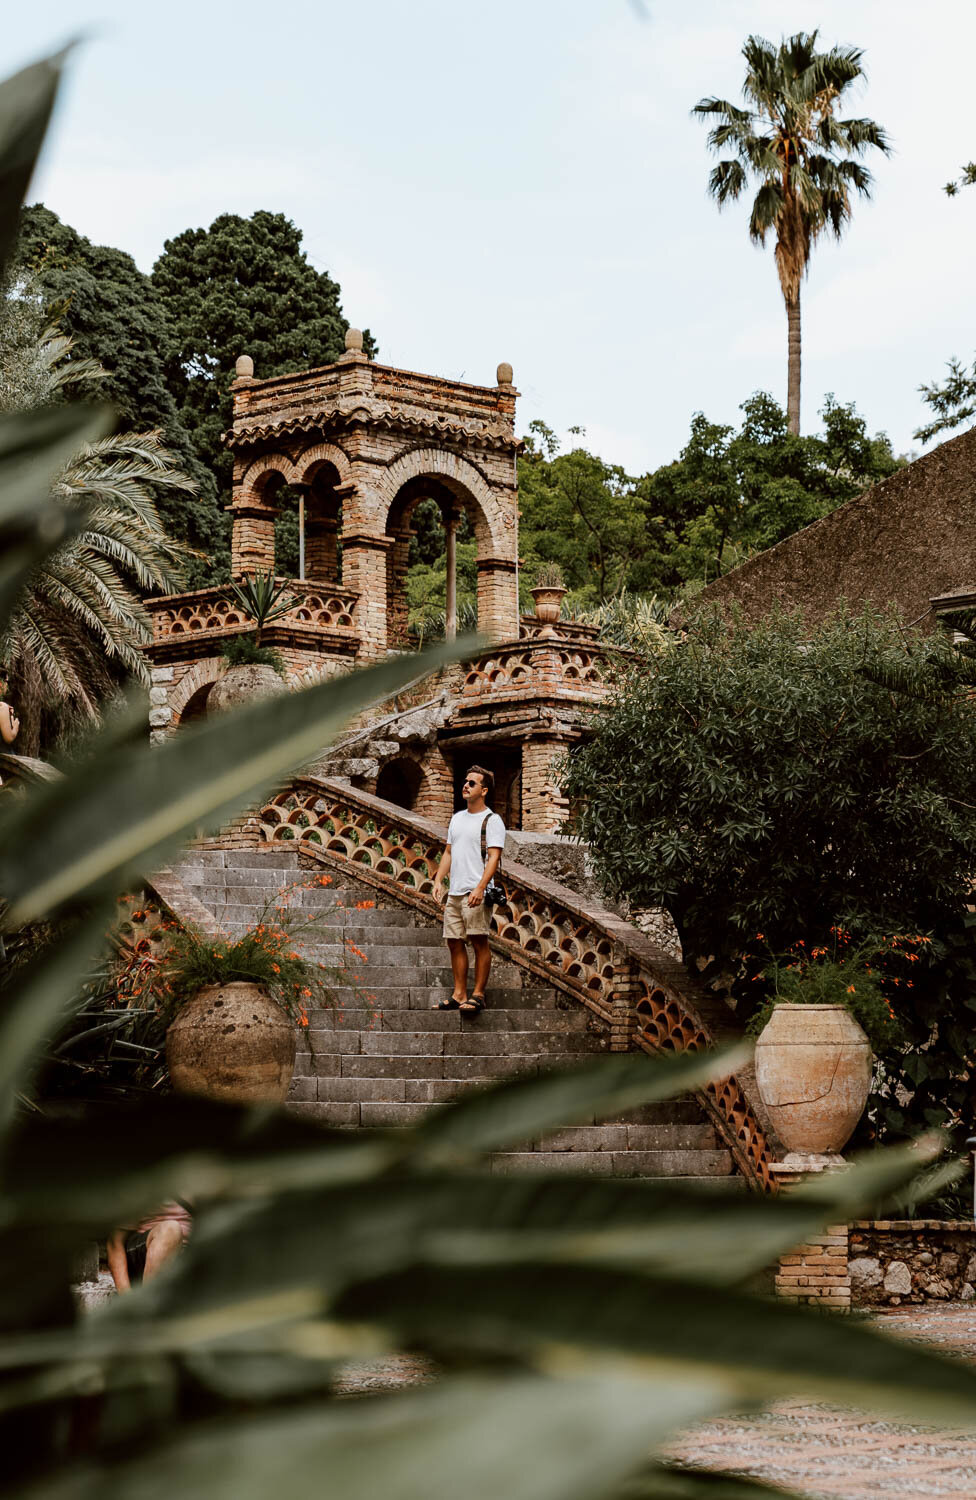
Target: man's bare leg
[
  {"x": 482, "y": 967},
  {"x": 162, "y": 1242},
  {"x": 459, "y": 967}
]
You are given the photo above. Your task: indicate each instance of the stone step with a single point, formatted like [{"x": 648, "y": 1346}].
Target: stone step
[
  {"x": 618, "y": 1163},
  {"x": 363, "y": 1018},
  {"x": 384, "y": 1042}
]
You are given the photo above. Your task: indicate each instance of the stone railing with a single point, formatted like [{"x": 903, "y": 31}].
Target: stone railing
[
  {"x": 554, "y": 666},
  {"x": 647, "y": 998},
  {"x": 530, "y": 626},
  {"x": 213, "y": 613}
]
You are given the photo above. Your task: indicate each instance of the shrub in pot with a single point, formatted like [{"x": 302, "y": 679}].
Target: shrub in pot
[
  {"x": 234, "y": 1004},
  {"x": 814, "y": 1045},
  {"x": 254, "y": 671},
  {"x": 548, "y": 593}
]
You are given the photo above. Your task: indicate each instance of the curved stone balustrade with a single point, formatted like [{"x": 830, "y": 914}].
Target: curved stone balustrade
[
  {"x": 558, "y": 666},
  {"x": 210, "y": 611},
  {"x": 646, "y": 997}
]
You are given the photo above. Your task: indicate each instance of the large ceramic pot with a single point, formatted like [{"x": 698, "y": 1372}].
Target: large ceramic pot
[
  {"x": 243, "y": 684},
  {"x": 548, "y": 604},
  {"x": 813, "y": 1072},
  {"x": 231, "y": 1041}
]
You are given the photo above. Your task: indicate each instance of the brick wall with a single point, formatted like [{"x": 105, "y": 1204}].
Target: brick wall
[
  {"x": 544, "y": 806},
  {"x": 817, "y": 1272}
]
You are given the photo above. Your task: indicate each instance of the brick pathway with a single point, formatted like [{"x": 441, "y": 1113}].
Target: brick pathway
[
  {"x": 825, "y": 1451},
  {"x": 821, "y": 1452}
]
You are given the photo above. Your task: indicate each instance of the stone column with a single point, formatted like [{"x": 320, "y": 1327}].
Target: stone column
[
  {"x": 450, "y": 604},
  {"x": 435, "y": 799},
  {"x": 252, "y": 536},
  {"x": 544, "y": 806},
  {"x": 498, "y": 616},
  {"x": 364, "y": 568},
  {"x": 398, "y": 561},
  {"x": 321, "y": 548}
]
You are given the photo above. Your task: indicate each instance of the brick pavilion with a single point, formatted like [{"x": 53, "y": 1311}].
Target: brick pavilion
[{"x": 362, "y": 444}]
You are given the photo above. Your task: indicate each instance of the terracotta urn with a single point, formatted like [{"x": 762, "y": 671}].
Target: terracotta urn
[
  {"x": 548, "y": 603},
  {"x": 243, "y": 684},
  {"x": 231, "y": 1041},
  {"x": 813, "y": 1072}
]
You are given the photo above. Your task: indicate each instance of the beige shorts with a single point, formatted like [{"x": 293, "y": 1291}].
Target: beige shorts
[{"x": 464, "y": 921}]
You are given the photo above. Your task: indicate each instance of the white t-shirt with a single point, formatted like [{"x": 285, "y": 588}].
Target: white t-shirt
[{"x": 464, "y": 842}]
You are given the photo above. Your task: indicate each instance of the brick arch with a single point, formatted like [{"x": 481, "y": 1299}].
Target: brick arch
[
  {"x": 459, "y": 475},
  {"x": 322, "y": 453},
  {"x": 202, "y": 674},
  {"x": 268, "y": 463}
]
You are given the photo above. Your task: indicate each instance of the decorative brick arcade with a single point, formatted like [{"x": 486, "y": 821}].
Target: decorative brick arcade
[{"x": 361, "y": 445}]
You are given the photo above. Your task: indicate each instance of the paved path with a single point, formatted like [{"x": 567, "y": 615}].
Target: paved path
[
  {"x": 821, "y": 1452},
  {"x": 830, "y": 1451}
]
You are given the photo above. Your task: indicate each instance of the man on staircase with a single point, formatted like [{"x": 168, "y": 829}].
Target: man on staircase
[{"x": 475, "y": 839}]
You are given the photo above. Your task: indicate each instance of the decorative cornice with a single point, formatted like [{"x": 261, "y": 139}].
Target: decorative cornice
[{"x": 388, "y": 416}]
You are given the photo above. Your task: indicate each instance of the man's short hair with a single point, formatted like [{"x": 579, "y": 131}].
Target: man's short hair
[{"x": 487, "y": 780}]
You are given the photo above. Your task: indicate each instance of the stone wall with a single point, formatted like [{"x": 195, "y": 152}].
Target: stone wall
[
  {"x": 817, "y": 1272},
  {"x": 903, "y": 542},
  {"x": 894, "y": 1261}
]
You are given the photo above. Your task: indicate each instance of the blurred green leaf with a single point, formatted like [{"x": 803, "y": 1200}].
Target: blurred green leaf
[
  {"x": 119, "y": 813},
  {"x": 517, "y": 1110},
  {"x": 33, "y": 447},
  {"x": 765, "y": 1349},
  {"x": 524, "y": 1438},
  {"x": 661, "y": 1482},
  {"x": 26, "y": 102}
]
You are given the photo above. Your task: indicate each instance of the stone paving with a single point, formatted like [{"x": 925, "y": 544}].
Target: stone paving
[{"x": 819, "y": 1451}]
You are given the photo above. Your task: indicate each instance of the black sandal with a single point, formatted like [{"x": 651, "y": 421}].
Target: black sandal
[
  {"x": 473, "y": 1006},
  {"x": 449, "y": 1004}
]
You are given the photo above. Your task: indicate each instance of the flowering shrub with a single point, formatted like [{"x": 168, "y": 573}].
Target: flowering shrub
[
  {"x": 164, "y": 976},
  {"x": 859, "y": 978}
]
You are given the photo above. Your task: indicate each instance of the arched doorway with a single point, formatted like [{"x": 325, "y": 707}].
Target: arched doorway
[{"x": 399, "y": 782}]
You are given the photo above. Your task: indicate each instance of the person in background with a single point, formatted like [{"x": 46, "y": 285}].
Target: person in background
[
  {"x": 466, "y": 917},
  {"x": 9, "y": 722},
  {"x": 136, "y": 1255}
]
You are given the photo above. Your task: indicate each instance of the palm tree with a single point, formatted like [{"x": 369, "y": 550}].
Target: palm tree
[
  {"x": 75, "y": 635},
  {"x": 790, "y": 142}
]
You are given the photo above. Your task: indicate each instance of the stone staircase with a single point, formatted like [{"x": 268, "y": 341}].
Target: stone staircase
[{"x": 381, "y": 1056}]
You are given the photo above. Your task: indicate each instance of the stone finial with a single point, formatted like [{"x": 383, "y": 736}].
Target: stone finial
[
  {"x": 244, "y": 367},
  {"x": 354, "y": 341},
  {"x": 503, "y": 375}
]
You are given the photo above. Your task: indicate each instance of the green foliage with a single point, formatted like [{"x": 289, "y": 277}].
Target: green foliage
[
  {"x": 851, "y": 977},
  {"x": 243, "y": 286},
  {"x": 244, "y": 651},
  {"x": 427, "y": 594},
  {"x": 263, "y": 598},
  {"x": 802, "y": 158},
  {"x": 770, "y": 782},
  {"x": 114, "y": 316},
  {"x": 762, "y": 780},
  {"x": 635, "y": 621},
  {"x": 583, "y": 1320},
  {"x": 266, "y": 954},
  {"x": 953, "y": 402},
  {"x": 732, "y": 493},
  {"x": 549, "y": 576},
  {"x": 579, "y": 513}
]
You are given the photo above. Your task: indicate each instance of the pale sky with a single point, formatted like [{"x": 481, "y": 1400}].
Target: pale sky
[{"x": 522, "y": 180}]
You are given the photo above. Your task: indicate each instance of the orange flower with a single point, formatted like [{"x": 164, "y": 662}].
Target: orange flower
[
  {"x": 851, "y": 990},
  {"x": 760, "y": 937},
  {"x": 276, "y": 969},
  {"x": 365, "y": 905}
]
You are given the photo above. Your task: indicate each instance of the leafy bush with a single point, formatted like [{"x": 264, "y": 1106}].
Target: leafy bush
[
  {"x": 189, "y": 959},
  {"x": 772, "y": 781},
  {"x": 244, "y": 651},
  {"x": 851, "y": 977}
]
